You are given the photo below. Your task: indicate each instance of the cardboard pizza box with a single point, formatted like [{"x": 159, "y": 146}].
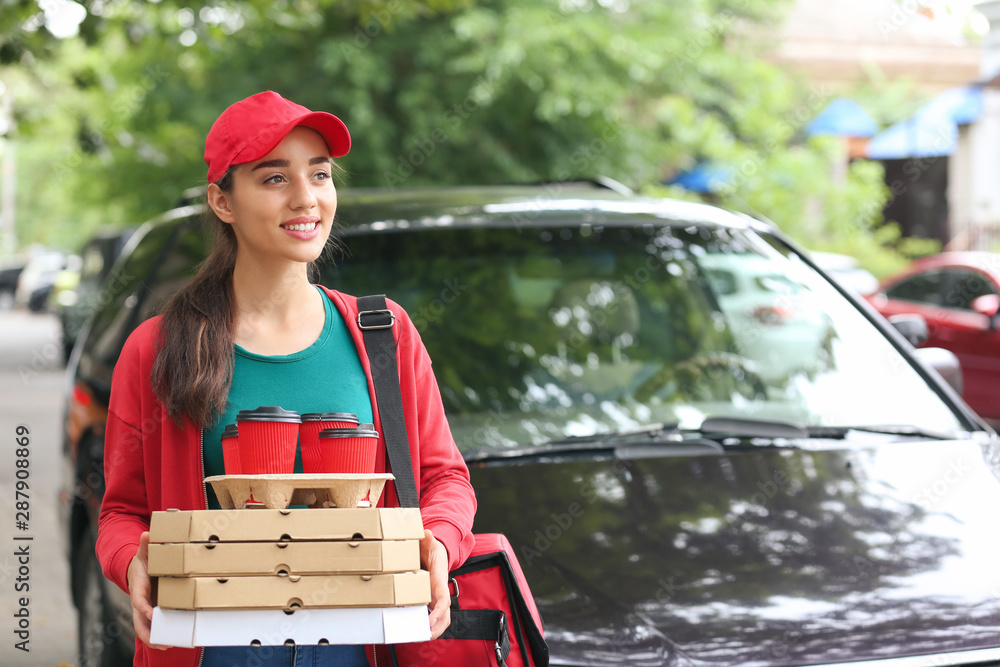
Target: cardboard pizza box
[
  {"x": 294, "y": 592},
  {"x": 273, "y": 627},
  {"x": 294, "y": 558},
  {"x": 276, "y": 525}
]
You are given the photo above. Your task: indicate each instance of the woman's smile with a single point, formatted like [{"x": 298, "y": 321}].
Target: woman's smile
[{"x": 304, "y": 227}]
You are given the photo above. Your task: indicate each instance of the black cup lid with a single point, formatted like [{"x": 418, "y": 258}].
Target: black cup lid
[
  {"x": 231, "y": 431},
  {"x": 330, "y": 417},
  {"x": 347, "y": 433},
  {"x": 268, "y": 413}
]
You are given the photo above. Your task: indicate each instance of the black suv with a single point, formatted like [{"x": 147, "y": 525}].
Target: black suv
[{"x": 702, "y": 448}]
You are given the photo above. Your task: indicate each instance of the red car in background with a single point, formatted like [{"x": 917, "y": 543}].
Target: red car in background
[{"x": 958, "y": 294}]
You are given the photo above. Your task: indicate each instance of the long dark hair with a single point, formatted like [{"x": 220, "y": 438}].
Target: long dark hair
[{"x": 194, "y": 362}]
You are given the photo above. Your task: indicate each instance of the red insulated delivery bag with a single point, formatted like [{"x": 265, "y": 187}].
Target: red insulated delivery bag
[{"x": 493, "y": 621}]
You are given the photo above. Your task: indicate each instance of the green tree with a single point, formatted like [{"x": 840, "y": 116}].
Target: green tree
[{"x": 439, "y": 92}]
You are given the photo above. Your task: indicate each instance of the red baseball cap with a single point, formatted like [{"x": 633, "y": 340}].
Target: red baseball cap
[{"x": 251, "y": 128}]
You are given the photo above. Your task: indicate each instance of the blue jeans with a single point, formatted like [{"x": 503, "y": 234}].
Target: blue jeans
[{"x": 285, "y": 656}]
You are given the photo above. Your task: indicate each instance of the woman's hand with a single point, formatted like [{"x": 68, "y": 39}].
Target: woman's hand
[
  {"x": 434, "y": 559},
  {"x": 140, "y": 590}
]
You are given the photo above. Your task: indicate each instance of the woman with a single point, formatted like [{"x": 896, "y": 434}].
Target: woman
[{"x": 249, "y": 330}]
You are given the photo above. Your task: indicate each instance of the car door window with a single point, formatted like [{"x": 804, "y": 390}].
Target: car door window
[
  {"x": 928, "y": 287},
  {"x": 965, "y": 286},
  {"x": 120, "y": 294},
  {"x": 177, "y": 267}
]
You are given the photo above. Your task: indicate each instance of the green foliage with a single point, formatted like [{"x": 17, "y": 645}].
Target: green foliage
[{"x": 435, "y": 92}]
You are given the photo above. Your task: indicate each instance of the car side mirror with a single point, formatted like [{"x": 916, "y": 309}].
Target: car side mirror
[
  {"x": 945, "y": 363},
  {"x": 913, "y": 327},
  {"x": 988, "y": 305}
]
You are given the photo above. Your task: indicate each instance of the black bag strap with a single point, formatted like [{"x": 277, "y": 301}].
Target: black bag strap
[
  {"x": 482, "y": 624},
  {"x": 376, "y": 322},
  {"x": 523, "y": 619}
]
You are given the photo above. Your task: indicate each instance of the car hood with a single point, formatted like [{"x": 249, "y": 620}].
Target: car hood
[{"x": 763, "y": 557}]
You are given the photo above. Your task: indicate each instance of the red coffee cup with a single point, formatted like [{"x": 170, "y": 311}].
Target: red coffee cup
[
  {"x": 349, "y": 450},
  {"x": 268, "y": 437},
  {"x": 312, "y": 424},
  {"x": 231, "y": 451}
]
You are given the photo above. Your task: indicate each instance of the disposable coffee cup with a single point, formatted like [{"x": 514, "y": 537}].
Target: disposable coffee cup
[
  {"x": 349, "y": 450},
  {"x": 312, "y": 424},
  {"x": 268, "y": 437},
  {"x": 231, "y": 450}
]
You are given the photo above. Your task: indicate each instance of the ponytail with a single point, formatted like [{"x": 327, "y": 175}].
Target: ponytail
[{"x": 194, "y": 362}]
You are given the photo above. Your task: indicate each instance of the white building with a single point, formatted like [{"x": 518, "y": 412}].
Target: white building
[
  {"x": 951, "y": 191},
  {"x": 974, "y": 183}
]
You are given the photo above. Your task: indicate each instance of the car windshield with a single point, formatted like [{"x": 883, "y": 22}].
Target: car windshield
[{"x": 541, "y": 333}]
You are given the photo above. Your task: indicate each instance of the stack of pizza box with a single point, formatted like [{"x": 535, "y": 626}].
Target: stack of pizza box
[{"x": 280, "y": 575}]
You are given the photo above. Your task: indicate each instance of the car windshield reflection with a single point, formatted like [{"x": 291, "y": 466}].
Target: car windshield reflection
[{"x": 584, "y": 330}]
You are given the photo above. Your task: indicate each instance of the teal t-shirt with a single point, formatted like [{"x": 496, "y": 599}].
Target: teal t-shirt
[{"x": 327, "y": 376}]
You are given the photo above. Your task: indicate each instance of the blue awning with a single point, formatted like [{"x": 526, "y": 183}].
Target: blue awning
[
  {"x": 927, "y": 135},
  {"x": 844, "y": 118},
  {"x": 703, "y": 177},
  {"x": 961, "y": 105},
  {"x": 933, "y": 129}
]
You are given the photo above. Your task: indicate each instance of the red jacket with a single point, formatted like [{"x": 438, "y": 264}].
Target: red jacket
[{"x": 151, "y": 463}]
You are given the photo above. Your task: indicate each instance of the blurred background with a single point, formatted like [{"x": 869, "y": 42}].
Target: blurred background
[
  {"x": 867, "y": 130},
  {"x": 862, "y": 127}
]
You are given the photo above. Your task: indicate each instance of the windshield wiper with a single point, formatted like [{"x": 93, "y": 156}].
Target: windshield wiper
[
  {"x": 667, "y": 438},
  {"x": 840, "y": 432},
  {"x": 723, "y": 428},
  {"x": 715, "y": 435},
  {"x": 712, "y": 437},
  {"x": 645, "y": 433}
]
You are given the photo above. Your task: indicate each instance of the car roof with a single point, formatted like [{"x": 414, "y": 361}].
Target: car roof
[
  {"x": 519, "y": 205},
  {"x": 988, "y": 262}
]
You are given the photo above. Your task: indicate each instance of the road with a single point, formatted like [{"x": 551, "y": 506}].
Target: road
[{"x": 31, "y": 388}]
